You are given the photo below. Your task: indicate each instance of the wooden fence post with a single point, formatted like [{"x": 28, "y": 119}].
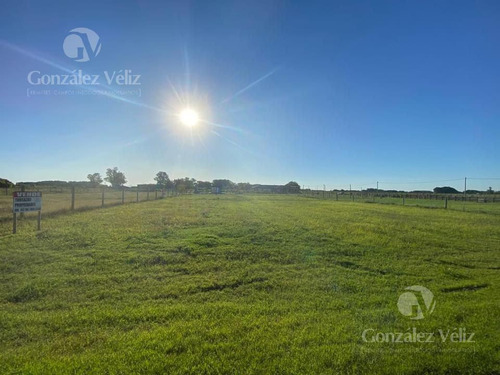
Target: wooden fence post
[
  {"x": 23, "y": 188},
  {"x": 147, "y": 197},
  {"x": 14, "y": 223},
  {"x": 72, "y": 198},
  {"x": 446, "y": 203},
  {"x": 123, "y": 195},
  {"x": 102, "y": 198},
  {"x": 39, "y": 221},
  {"x": 156, "y": 194},
  {"x": 137, "y": 196}
]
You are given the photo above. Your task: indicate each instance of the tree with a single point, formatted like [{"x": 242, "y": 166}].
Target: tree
[
  {"x": 4, "y": 183},
  {"x": 490, "y": 190},
  {"x": 243, "y": 187},
  {"x": 223, "y": 185},
  {"x": 95, "y": 179},
  {"x": 205, "y": 186},
  {"x": 446, "y": 190},
  {"x": 183, "y": 185},
  {"x": 115, "y": 177},
  {"x": 162, "y": 180},
  {"x": 292, "y": 187}
]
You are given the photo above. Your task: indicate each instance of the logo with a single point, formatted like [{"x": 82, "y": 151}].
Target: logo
[
  {"x": 417, "y": 302},
  {"x": 82, "y": 44}
]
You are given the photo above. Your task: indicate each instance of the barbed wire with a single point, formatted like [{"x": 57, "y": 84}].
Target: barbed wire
[{"x": 374, "y": 183}]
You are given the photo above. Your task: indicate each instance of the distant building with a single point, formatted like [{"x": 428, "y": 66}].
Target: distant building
[{"x": 268, "y": 188}]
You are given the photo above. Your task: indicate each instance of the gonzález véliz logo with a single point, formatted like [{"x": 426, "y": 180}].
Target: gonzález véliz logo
[
  {"x": 82, "y": 44},
  {"x": 417, "y": 302}
]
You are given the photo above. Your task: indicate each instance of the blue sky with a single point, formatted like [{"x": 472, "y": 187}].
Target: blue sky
[{"x": 325, "y": 93}]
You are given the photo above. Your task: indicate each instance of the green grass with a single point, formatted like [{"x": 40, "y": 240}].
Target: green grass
[
  {"x": 60, "y": 202},
  {"x": 247, "y": 284},
  {"x": 459, "y": 205}
]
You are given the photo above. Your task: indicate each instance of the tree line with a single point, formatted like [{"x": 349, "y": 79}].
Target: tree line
[{"x": 117, "y": 179}]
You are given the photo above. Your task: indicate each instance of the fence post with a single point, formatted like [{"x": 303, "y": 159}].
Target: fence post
[
  {"x": 137, "y": 196},
  {"x": 39, "y": 221},
  {"x": 23, "y": 188},
  {"x": 403, "y": 200},
  {"x": 72, "y": 198},
  {"x": 14, "y": 223},
  {"x": 123, "y": 195},
  {"x": 445, "y": 203},
  {"x": 156, "y": 194},
  {"x": 147, "y": 197},
  {"x": 102, "y": 198}
]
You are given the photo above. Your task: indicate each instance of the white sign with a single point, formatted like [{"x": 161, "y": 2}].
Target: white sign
[{"x": 26, "y": 201}]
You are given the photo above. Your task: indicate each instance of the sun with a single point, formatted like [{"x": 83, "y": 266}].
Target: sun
[{"x": 189, "y": 117}]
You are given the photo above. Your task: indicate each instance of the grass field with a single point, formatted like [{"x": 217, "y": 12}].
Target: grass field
[
  {"x": 61, "y": 201},
  {"x": 56, "y": 201},
  {"x": 248, "y": 284}
]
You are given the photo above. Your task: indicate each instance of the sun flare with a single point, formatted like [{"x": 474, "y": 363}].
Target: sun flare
[{"x": 189, "y": 117}]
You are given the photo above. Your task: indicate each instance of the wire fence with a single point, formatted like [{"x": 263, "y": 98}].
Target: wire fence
[
  {"x": 58, "y": 200},
  {"x": 485, "y": 203}
]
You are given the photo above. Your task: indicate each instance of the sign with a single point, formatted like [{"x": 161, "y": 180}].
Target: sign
[{"x": 26, "y": 201}]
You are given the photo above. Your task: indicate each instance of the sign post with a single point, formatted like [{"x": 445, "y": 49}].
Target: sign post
[{"x": 26, "y": 201}]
